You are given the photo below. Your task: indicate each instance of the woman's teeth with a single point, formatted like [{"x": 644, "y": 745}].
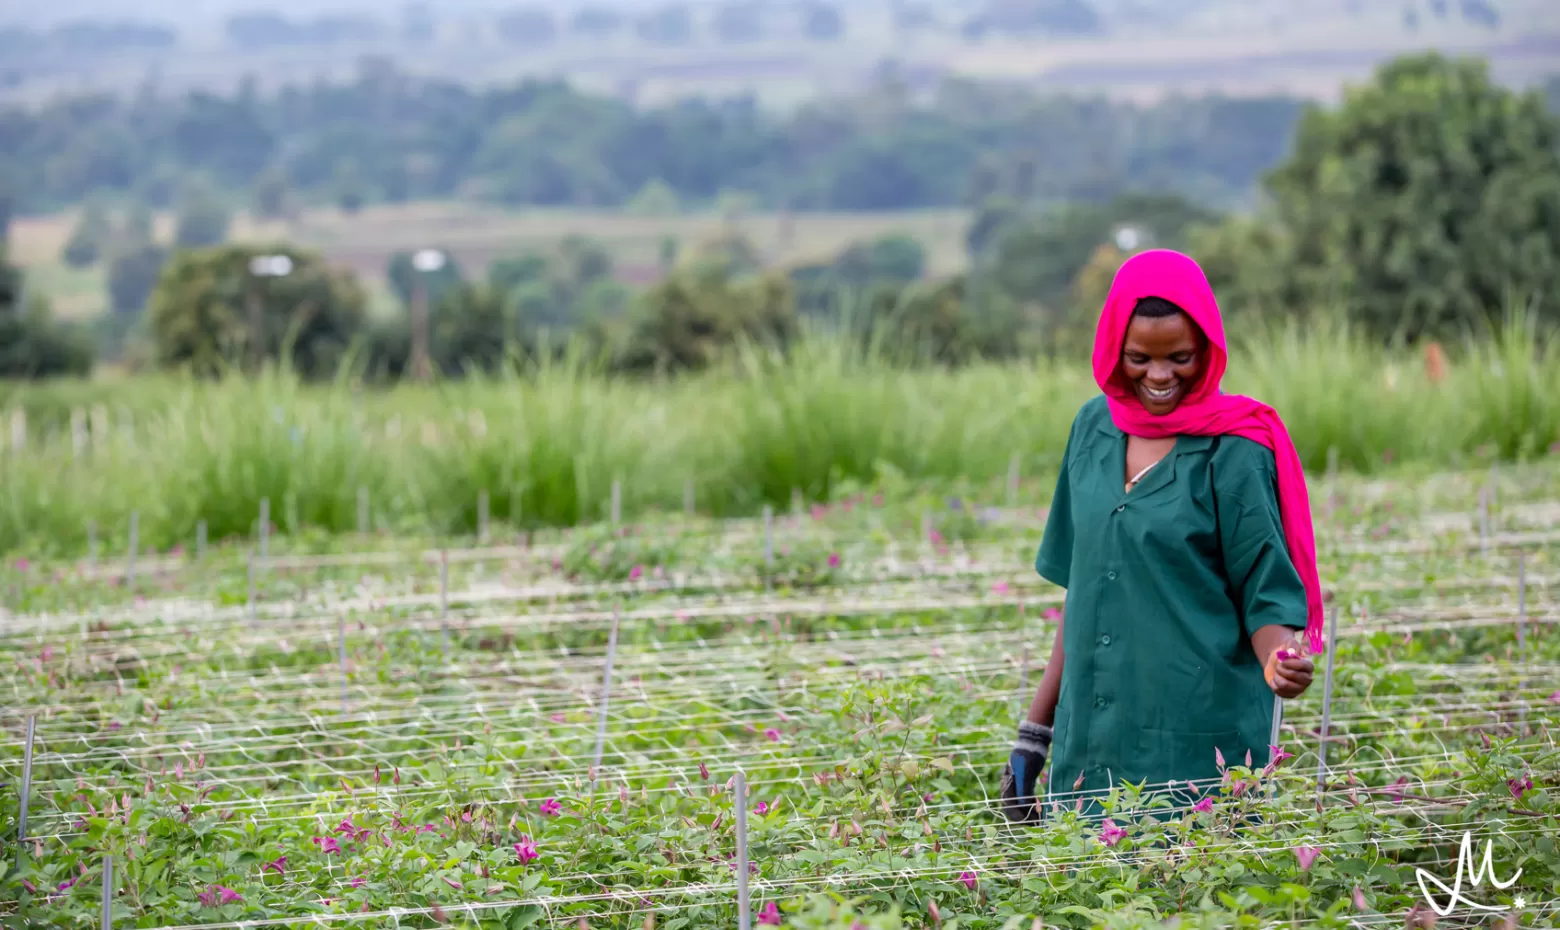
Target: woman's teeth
[{"x": 1166, "y": 394}]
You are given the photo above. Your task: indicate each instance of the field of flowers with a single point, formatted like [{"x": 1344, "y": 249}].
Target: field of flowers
[{"x": 545, "y": 730}]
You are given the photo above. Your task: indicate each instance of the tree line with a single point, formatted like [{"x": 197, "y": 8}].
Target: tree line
[
  {"x": 1426, "y": 206},
  {"x": 387, "y": 136}
]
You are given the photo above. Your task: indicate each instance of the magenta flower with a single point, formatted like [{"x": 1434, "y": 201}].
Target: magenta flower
[
  {"x": 277, "y": 865},
  {"x": 1307, "y": 855},
  {"x": 1052, "y": 613},
  {"x": 635, "y": 572},
  {"x": 834, "y": 560},
  {"x": 217, "y": 895},
  {"x": 1519, "y": 787},
  {"x": 772, "y": 734},
  {"x": 22, "y": 565},
  {"x": 1397, "y": 795},
  {"x": 1279, "y": 754},
  {"x": 761, "y": 808},
  {"x": 968, "y": 878},
  {"x": 551, "y": 807},
  {"x": 526, "y": 850},
  {"x": 557, "y": 718},
  {"x": 67, "y": 885},
  {"x": 1204, "y": 806},
  {"x": 1555, "y": 698},
  {"x": 770, "y": 915},
  {"x": 357, "y": 883},
  {"x": 1000, "y": 587},
  {"x": 704, "y": 771},
  {"x": 1218, "y": 758},
  {"x": 1359, "y": 900},
  {"x": 1110, "y": 834},
  {"x": 327, "y": 844}
]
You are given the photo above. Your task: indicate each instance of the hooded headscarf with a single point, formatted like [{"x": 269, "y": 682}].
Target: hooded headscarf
[{"x": 1205, "y": 410}]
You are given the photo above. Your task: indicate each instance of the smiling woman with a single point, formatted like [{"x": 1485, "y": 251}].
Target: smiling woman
[{"x": 1186, "y": 587}]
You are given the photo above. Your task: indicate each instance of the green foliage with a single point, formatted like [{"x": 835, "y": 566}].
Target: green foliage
[
  {"x": 133, "y": 270},
  {"x": 209, "y": 313},
  {"x": 404, "y": 278},
  {"x": 89, "y": 237},
  {"x": 541, "y": 142},
  {"x": 202, "y": 217},
  {"x": 1426, "y": 202},
  {"x": 689, "y": 320},
  {"x": 32, "y": 343},
  {"x": 472, "y": 330},
  {"x": 656, "y": 198},
  {"x": 270, "y": 195}
]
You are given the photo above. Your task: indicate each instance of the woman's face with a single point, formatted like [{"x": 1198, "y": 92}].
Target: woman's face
[{"x": 1162, "y": 359}]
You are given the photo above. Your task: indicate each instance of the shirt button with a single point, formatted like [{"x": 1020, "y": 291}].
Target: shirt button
[
  {"x": 1121, "y": 508},
  {"x": 1100, "y": 702},
  {"x": 1105, "y": 640},
  {"x": 1111, "y": 576}
]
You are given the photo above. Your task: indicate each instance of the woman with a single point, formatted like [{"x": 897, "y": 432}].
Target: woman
[{"x": 1181, "y": 531}]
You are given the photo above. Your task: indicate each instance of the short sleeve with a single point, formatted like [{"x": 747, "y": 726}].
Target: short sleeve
[
  {"x": 1266, "y": 588},
  {"x": 1054, "y": 560}
]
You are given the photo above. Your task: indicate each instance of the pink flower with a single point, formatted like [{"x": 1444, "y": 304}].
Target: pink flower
[
  {"x": 772, "y": 734},
  {"x": 31, "y": 888},
  {"x": 217, "y": 895},
  {"x": 761, "y": 808},
  {"x": 968, "y": 878},
  {"x": 357, "y": 883},
  {"x": 1359, "y": 900},
  {"x": 327, "y": 844},
  {"x": 1555, "y": 698},
  {"x": 22, "y": 565},
  {"x": 452, "y": 883},
  {"x": 1519, "y": 786},
  {"x": 557, "y": 718},
  {"x": 1203, "y": 806},
  {"x": 834, "y": 560},
  {"x": 1051, "y": 613},
  {"x": 999, "y": 588},
  {"x": 1110, "y": 834},
  {"x": 635, "y": 572},
  {"x": 1397, "y": 796},
  {"x": 770, "y": 915},
  {"x": 67, "y": 885},
  {"x": 704, "y": 771},
  {"x": 1218, "y": 758},
  {"x": 1307, "y": 855},
  {"x": 936, "y": 537},
  {"x": 526, "y": 850},
  {"x": 277, "y": 865},
  {"x": 1279, "y": 754},
  {"x": 551, "y": 807}
]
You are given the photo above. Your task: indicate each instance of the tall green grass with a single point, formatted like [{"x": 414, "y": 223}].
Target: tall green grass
[{"x": 548, "y": 445}]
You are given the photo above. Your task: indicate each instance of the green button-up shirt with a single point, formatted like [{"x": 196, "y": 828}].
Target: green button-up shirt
[{"x": 1165, "y": 586}]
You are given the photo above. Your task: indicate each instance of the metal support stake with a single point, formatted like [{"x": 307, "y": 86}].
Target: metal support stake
[
  {"x": 265, "y": 525},
  {"x": 1012, "y": 482},
  {"x": 606, "y": 694},
  {"x": 1332, "y": 652},
  {"x": 362, "y": 514},
  {"x": 108, "y": 892},
  {"x": 251, "y": 586},
  {"x": 1521, "y": 635},
  {"x": 1484, "y": 522},
  {"x": 617, "y": 502},
  {"x": 1278, "y": 721},
  {"x": 341, "y": 646},
  {"x": 444, "y": 599},
  {"x": 200, "y": 539},
  {"x": 92, "y": 546},
  {"x": 135, "y": 543},
  {"x": 688, "y": 497},
  {"x": 739, "y": 804},
  {"x": 769, "y": 536},
  {"x": 27, "y": 761},
  {"x": 796, "y": 502},
  {"x": 482, "y": 517},
  {"x": 1023, "y": 674}
]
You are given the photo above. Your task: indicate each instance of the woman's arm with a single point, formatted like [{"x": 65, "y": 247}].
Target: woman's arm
[
  {"x": 1287, "y": 677},
  {"x": 1043, "y": 709}
]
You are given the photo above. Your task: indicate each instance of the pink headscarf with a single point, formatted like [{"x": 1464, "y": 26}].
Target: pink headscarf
[{"x": 1205, "y": 411}]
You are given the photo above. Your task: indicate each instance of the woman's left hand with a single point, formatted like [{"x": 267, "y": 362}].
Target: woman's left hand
[{"x": 1288, "y": 671}]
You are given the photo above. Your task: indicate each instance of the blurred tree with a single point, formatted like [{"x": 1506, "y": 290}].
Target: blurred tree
[
  {"x": 596, "y": 21},
  {"x": 89, "y": 236},
  {"x": 996, "y": 214},
  {"x": 133, "y": 268},
  {"x": 32, "y": 343},
  {"x": 528, "y": 25},
  {"x": 207, "y": 302},
  {"x": 671, "y": 24},
  {"x": 403, "y": 276},
  {"x": 350, "y": 189},
  {"x": 739, "y": 21},
  {"x": 270, "y": 194},
  {"x": 472, "y": 330},
  {"x": 688, "y": 320},
  {"x": 822, "y": 22},
  {"x": 1427, "y": 202},
  {"x": 656, "y": 198},
  {"x": 203, "y": 217},
  {"x": 506, "y": 274}
]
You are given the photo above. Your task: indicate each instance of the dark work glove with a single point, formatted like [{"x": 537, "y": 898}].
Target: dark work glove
[{"x": 1023, "y": 771}]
